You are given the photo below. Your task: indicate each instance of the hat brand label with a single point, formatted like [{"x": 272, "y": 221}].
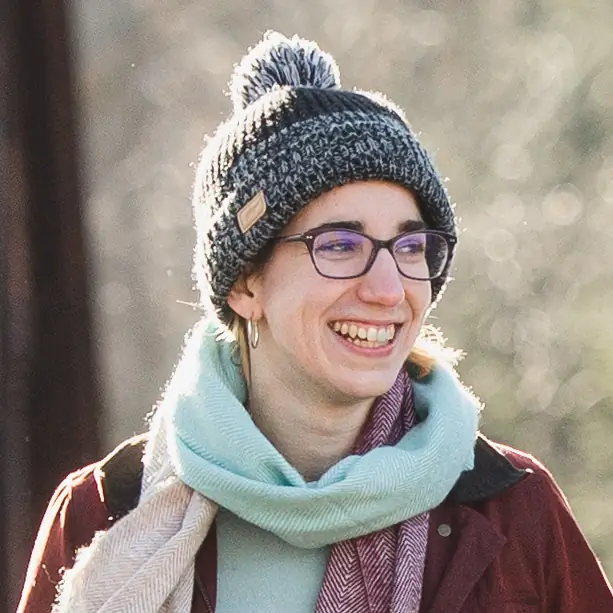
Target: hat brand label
[{"x": 252, "y": 212}]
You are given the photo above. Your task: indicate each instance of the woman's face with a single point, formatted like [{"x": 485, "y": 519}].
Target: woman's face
[{"x": 303, "y": 315}]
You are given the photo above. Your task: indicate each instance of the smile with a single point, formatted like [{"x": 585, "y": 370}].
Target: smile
[{"x": 363, "y": 335}]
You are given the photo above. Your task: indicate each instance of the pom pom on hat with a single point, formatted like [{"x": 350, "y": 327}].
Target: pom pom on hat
[{"x": 277, "y": 61}]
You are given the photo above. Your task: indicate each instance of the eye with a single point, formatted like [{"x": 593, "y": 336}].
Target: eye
[
  {"x": 338, "y": 242},
  {"x": 339, "y": 246},
  {"x": 415, "y": 244}
]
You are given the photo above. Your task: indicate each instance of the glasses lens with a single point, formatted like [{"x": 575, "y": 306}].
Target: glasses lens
[
  {"x": 421, "y": 255},
  {"x": 341, "y": 253}
]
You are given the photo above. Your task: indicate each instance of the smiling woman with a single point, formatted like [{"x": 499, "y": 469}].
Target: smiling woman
[{"x": 312, "y": 452}]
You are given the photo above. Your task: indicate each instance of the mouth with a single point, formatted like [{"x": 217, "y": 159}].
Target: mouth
[{"x": 364, "y": 335}]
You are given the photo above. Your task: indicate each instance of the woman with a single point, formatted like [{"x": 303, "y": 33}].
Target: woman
[{"x": 298, "y": 460}]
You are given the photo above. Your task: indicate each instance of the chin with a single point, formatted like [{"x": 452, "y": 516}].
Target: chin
[{"x": 361, "y": 386}]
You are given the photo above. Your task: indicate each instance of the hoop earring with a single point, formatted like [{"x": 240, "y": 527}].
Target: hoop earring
[{"x": 253, "y": 333}]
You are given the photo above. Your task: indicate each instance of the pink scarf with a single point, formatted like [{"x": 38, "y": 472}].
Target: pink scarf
[{"x": 380, "y": 572}]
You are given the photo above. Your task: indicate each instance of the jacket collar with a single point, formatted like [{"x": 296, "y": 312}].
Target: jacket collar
[{"x": 492, "y": 474}]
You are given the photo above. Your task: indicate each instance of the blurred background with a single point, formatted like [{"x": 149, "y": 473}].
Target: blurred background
[{"x": 513, "y": 98}]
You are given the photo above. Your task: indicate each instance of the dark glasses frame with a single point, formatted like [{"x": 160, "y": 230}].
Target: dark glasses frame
[{"x": 309, "y": 237}]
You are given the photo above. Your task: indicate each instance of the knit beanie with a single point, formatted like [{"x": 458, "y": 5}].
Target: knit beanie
[{"x": 294, "y": 134}]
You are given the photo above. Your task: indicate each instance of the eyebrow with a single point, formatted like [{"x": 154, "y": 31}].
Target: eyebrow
[{"x": 410, "y": 225}]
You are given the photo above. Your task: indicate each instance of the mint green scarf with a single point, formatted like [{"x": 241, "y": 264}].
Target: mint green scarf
[{"x": 216, "y": 449}]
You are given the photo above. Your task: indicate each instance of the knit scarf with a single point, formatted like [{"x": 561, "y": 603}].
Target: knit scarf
[{"x": 204, "y": 451}]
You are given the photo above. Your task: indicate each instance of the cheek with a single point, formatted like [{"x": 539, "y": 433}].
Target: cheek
[
  {"x": 290, "y": 283},
  {"x": 285, "y": 294},
  {"x": 295, "y": 300},
  {"x": 419, "y": 296}
]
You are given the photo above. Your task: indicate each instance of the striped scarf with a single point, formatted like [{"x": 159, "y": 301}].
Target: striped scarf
[{"x": 380, "y": 572}]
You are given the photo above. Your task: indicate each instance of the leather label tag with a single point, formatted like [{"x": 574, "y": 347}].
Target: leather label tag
[{"x": 252, "y": 212}]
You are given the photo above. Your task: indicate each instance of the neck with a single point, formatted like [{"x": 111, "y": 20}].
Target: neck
[{"x": 311, "y": 434}]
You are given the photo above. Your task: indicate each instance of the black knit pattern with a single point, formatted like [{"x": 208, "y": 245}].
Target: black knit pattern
[{"x": 294, "y": 144}]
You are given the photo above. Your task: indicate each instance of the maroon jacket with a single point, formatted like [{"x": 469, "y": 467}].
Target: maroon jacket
[{"x": 504, "y": 541}]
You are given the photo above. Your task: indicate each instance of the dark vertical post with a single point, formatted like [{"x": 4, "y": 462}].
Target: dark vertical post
[{"x": 49, "y": 401}]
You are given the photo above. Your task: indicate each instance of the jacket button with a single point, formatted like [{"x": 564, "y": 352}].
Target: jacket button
[{"x": 444, "y": 530}]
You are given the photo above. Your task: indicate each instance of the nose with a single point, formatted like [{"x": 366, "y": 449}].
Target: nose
[{"x": 382, "y": 284}]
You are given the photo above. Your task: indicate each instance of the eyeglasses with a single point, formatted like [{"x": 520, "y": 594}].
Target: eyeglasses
[{"x": 421, "y": 255}]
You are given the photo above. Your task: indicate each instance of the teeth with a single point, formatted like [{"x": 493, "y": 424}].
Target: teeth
[
  {"x": 368, "y": 344},
  {"x": 369, "y": 336}
]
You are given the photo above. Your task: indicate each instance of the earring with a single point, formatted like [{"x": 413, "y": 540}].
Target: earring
[{"x": 253, "y": 333}]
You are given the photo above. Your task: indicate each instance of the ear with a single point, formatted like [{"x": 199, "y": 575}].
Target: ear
[{"x": 243, "y": 301}]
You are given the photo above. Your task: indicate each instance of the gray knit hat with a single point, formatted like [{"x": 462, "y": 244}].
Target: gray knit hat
[{"x": 294, "y": 134}]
